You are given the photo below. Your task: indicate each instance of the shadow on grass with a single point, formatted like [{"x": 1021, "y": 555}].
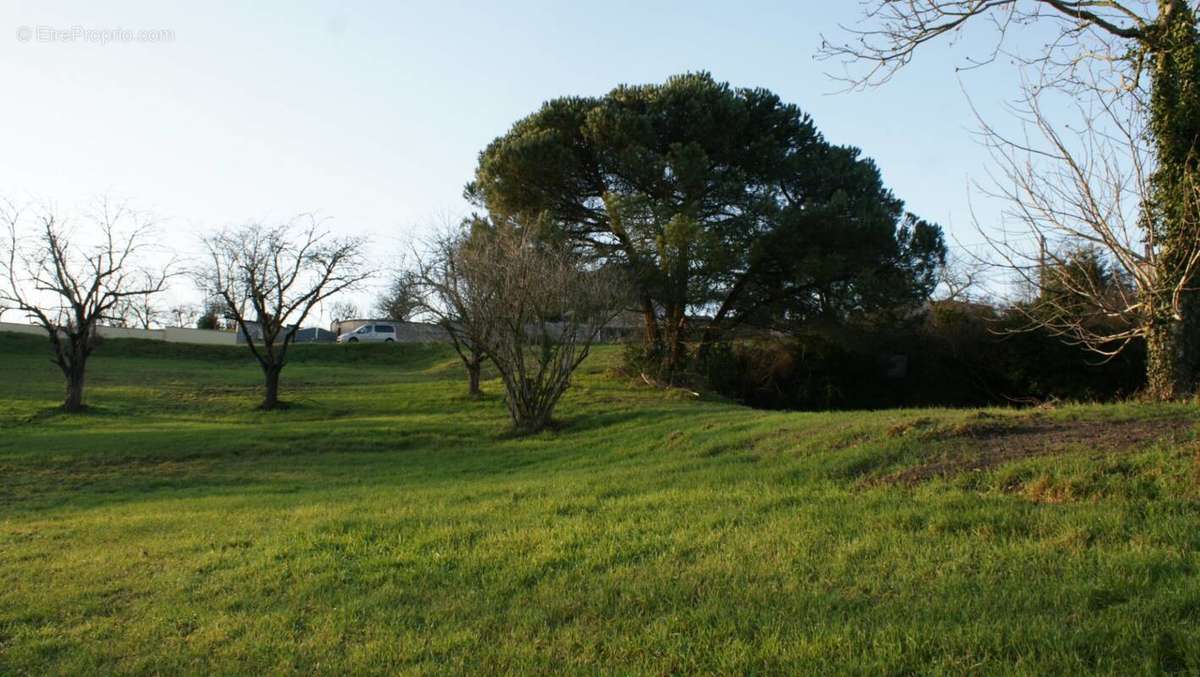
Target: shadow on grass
[
  {"x": 82, "y": 469},
  {"x": 645, "y": 416},
  {"x": 60, "y": 412}
]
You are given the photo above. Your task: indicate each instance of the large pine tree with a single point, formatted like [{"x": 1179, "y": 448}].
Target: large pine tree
[{"x": 720, "y": 200}]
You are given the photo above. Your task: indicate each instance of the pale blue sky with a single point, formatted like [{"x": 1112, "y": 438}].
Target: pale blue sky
[{"x": 373, "y": 112}]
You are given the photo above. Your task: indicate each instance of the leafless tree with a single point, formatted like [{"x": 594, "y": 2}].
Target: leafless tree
[
  {"x": 1076, "y": 234},
  {"x": 401, "y": 299},
  {"x": 962, "y": 280},
  {"x": 138, "y": 311},
  {"x": 271, "y": 278},
  {"x": 543, "y": 308},
  {"x": 344, "y": 310},
  {"x": 445, "y": 295},
  {"x": 69, "y": 282},
  {"x": 1119, "y": 61},
  {"x": 184, "y": 314}
]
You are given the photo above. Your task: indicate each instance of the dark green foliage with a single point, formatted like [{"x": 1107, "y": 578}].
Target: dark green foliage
[
  {"x": 818, "y": 267},
  {"x": 813, "y": 372},
  {"x": 208, "y": 320},
  {"x": 216, "y": 314},
  {"x": 1081, "y": 287},
  {"x": 958, "y": 355},
  {"x": 719, "y": 200}
]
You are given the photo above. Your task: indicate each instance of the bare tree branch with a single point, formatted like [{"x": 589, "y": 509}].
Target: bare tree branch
[{"x": 894, "y": 30}]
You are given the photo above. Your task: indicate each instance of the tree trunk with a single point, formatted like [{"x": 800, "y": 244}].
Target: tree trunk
[
  {"x": 473, "y": 368},
  {"x": 1168, "y": 373},
  {"x": 271, "y": 396},
  {"x": 653, "y": 338},
  {"x": 712, "y": 330},
  {"x": 1173, "y": 345},
  {"x": 529, "y": 422},
  {"x": 676, "y": 350},
  {"x": 74, "y": 400},
  {"x": 529, "y": 412}
]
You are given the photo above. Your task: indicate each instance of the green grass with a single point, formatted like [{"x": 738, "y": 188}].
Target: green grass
[{"x": 386, "y": 523}]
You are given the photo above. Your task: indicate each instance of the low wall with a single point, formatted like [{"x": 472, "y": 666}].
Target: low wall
[
  {"x": 170, "y": 334},
  {"x": 21, "y": 328},
  {"x": 132, "y": 333},
  {"x": 205, "y": 336},
  {"x": 419, "y": 332},
  {"x": 406, "y": 332}
]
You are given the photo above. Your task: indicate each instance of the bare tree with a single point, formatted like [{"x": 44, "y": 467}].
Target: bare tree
[
  {"x": 344, "y": 310},
  {"x": 270, "y": 279},
  {"x": 445, "y": 294},
  {"x": 543, "y": 308},
  {"x": 184, "y": 314},
  {"x": 1111, "y": 57},
  {"x": 69, "y": 283},
  {"x": 137, "y": 311},
  {"x": 401, "y": 299},
  {"x": 962, "y": 280},
  {"x": 1099, "y": 277}
]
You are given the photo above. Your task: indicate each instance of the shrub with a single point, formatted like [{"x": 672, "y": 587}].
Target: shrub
[{"x": 955, "y": 355}]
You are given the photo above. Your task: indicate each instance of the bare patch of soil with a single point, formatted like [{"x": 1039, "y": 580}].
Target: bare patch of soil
[{"x": 987, "y": 444}]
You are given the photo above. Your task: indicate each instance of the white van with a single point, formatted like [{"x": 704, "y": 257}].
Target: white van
[{"x": 379, "y": 333}]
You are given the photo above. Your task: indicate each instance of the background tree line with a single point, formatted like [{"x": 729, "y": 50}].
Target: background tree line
[{"x": 725, "y": 220}]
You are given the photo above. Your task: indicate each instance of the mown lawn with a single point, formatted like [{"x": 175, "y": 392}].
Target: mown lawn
[{"x": 386, "y": 523}]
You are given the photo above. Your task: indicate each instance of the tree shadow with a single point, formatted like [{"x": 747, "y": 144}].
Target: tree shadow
[
  {"x": 60, "y": 412},
  {"x": 93, "y": 468}
]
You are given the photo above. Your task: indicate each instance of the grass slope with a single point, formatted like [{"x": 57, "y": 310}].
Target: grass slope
[{"x": 386, "y": 523}]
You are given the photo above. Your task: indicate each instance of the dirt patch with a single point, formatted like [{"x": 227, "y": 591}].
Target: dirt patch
[{"x": 982, "y": 445}]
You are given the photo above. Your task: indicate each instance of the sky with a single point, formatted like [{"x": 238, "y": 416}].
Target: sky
[{"x": 372, "y": 114}]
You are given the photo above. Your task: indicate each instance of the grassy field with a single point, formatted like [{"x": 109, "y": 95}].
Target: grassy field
[{"x": 386, "y": 523}]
